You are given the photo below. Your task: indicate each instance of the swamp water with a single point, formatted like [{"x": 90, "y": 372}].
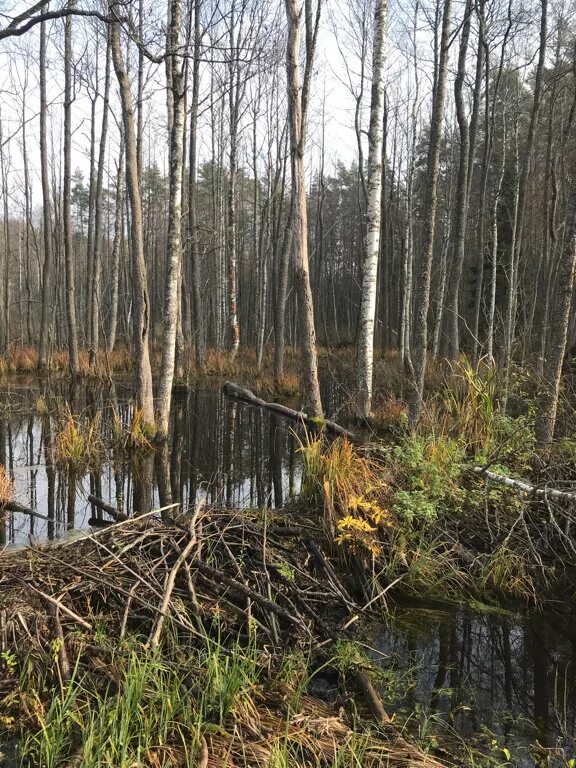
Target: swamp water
[{"x": 491, "y": 679}]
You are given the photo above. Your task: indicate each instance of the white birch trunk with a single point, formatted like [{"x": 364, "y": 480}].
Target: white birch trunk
[
  {"x": 365, "y": 352},
  {"x": 176, "y": 118}
]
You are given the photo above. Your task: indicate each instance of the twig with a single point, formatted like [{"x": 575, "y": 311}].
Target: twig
[
  {"x": 269, "y": 605},
  {"x": 374, "y": 701},
  {"x": 59, "y": 604},
  {"x": 171, "y": 579}
]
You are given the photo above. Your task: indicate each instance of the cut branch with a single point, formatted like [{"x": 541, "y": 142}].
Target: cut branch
[
  {"x": 241, "y": 393},
  {"x": 524, "y": 487}
]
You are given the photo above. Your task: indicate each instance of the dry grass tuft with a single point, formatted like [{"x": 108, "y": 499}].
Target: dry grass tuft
[
  {"x": 78, "y": 440},
  {"x": 6, "y": 487},
  {"x": 391, "y": 413},
  {"x": 353, "y": 491}
]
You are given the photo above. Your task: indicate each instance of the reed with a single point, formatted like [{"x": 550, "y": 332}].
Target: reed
[{"x": 78, "y": 440}]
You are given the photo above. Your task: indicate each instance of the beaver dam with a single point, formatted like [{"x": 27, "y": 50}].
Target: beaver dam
[
  {"x": 237, "y": 608},
  {"x": 262, "y": 596}
]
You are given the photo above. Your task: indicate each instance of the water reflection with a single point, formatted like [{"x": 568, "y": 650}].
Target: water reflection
[
  {"x": 234, "y": 454},
  {"x": 488, "y": 673}
]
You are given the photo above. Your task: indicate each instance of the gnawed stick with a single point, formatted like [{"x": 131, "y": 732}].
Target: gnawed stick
[
  {"x": 241, "y": 393},
  {"x": 524, "y": 487},
  {"x": 263, "y": 602},
  {"x": 374, "y": 701},
  {"x": 59, "y": 604},
  {"x": 63, "y": 661},
  {"x": 171, "y": 580},
  {"x": 331, "y": 574}
]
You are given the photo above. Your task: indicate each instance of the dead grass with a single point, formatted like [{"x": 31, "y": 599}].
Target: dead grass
[
  {"x": 6, "y": 487},
  {"x": 78, "y": 440},
  {"x": 353, "y": 491}
]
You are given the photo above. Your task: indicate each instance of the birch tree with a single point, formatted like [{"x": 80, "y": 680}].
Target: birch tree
[
  {"x": 365, "y": 352},
  {"x": 176, "y": 108}
]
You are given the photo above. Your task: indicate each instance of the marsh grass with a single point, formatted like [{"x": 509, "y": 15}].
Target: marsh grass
[
  {"x": 6, "y": 487},
  {"x": 174, "y": 705},
  {"x": 134, "y": 435},
  {"x": 416, "y": 516},
  {"x": 508, "y": 572},
  {"x": 78, "y": 440},
  {"x": 352, "y": 490}
]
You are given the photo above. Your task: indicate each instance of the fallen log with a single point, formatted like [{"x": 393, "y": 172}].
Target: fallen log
[
  {"x": 524, "y": 487},
  {"x": 120, "y": 517},
  {"x": 247, "y": 396},
  {"x": 13, "y": 506}
]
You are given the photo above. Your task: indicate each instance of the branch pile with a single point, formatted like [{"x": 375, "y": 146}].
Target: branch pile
[{"x": 143, "y": 573}]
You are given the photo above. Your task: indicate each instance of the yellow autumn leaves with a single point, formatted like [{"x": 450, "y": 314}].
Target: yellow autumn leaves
[
  {"x": 353, "y": 490},
  {"x": 359, "y": 530}
]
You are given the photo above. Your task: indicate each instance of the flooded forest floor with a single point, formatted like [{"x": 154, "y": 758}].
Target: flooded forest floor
[{"x": 255, "y": 594}]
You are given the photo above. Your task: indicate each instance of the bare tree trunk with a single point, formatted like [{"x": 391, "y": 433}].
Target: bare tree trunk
[
  {"x": 7, "y": 243},
  {"x": 47, "y": 298},
  {"x": 86, "y": 301},
  {"x": 141, "y": 308},
  {"x": 522, "y": 185},
  {"x": 28, "y": 222},
  {"x": 494, "y": 267},
  {"x": 365, "y": 347},
  {"x": 116, "y": 250},
  {"x": 560, "y": 315},
  {"x": 96, "y": 257},
  {"x": 198, "y": 330},
  {"x": 74, "y": 362},
  {"x": 174, "y": 246},
  {"x": 282, "y": 295},
  {"x": 408, "y": 241},
  {"x": 297, "y": 107},
  {"x": 424, "y": 267},
  {"x": 461, "y": 192}
]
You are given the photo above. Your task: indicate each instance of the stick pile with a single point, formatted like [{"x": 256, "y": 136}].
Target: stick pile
[{"x": 143, "y": 572}]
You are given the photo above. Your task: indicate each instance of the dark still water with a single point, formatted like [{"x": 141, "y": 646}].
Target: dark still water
[
  {"x": 500, "y": 683},
  {"x": 225, "y": 450}
]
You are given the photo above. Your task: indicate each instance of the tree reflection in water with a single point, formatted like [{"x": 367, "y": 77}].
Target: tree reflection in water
[
  {"x": 487, "y": 672},
  {"x": 233, "y": 454}
]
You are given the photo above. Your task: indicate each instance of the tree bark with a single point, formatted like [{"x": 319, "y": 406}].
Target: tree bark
[
  {"x": 424, "y": 267},
  {"x": 197, "y": 307},
  {"x": 174, "y": 246},
  {"x": 116, "y": 250},
  {"x": 297, "y": 107},
  {"x": 522, "y": 185},
  {"x": 559, "y": 315},
  {"x": 96, "y": 247},
  {"x": 47, "y": 269},
  {"x": 461, "y": 192},
  {"x": 141, "y": 308},
  {"x": 365, "y": 346},
  {"x": 74, "y": 362}
]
